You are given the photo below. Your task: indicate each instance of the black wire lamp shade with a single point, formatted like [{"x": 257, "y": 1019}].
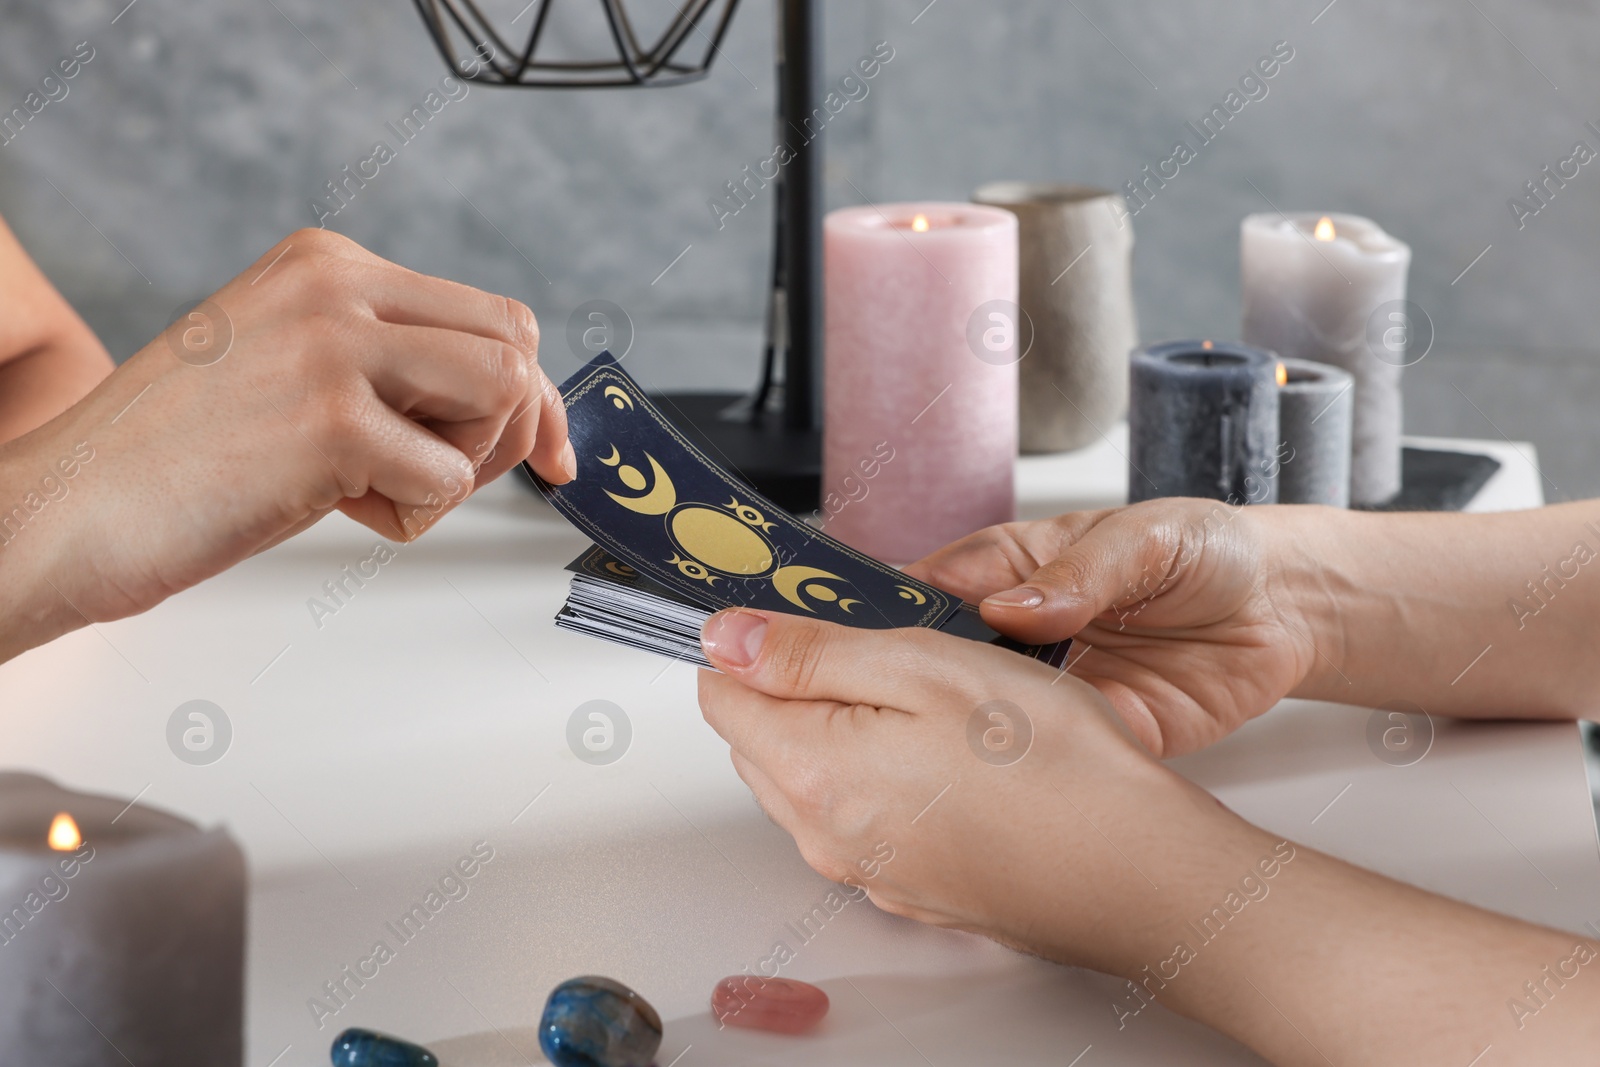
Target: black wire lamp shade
[{"x": 679, "y": 51}]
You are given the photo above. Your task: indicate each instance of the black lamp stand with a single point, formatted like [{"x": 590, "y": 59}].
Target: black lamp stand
[{"x": 773, "y": 439}]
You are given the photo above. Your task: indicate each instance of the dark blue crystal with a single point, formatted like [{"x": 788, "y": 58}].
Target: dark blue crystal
[
  {"x": 597, "y": 1022},
  {"x": 367, "y": 1048}
]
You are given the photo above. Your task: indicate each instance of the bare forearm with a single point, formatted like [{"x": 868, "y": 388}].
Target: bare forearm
[
  {"x": 1472, "y": 615},
  {"x": 1346, "y": 966},
  {"x": 43, "y": 447},
  {"x": 51, "y": 495},
  {"x": 37, "y": 514},
  {"x": 1311, "y": 961}
]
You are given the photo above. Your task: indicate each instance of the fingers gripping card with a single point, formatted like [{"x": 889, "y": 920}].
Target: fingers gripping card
[{"x": 658, "y": 506}]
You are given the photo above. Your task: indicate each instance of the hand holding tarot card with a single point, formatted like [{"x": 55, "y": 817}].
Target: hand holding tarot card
[{"x": 677, "y": 538}]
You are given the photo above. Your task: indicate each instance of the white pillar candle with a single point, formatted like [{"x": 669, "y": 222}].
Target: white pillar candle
[
  {"x": 122, "y": 933},
  {"x": 920, "y": 375},
  {"x": 1323, "y": 288}
]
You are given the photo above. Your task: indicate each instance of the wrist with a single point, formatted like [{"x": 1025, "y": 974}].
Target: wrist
[
  {"x": 1217, "y": 880},
  {"x": 1160, "y": 849},
  {"x": 1309, "y": 581}
]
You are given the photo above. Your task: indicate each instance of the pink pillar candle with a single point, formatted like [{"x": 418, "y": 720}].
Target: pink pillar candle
[{"x": 922, "y": 338}]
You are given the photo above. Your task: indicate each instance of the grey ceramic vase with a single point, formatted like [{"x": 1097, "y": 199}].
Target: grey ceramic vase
[{"x": 1075, "y": 246}]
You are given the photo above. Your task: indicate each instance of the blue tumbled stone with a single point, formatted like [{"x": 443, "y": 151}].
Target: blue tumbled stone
[
  {"x": 596, "y": 1022},
  {"x": 367, "y": 1048}
]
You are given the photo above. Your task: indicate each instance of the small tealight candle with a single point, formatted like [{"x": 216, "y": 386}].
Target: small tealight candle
[
  {"x": 1203, "y": 422},
  {"x": 920, "y": 375},
  {"x": 1314, "y": 409},
  {"x": 122, "y": 932},
  {"x": 1322, "y": 287}
]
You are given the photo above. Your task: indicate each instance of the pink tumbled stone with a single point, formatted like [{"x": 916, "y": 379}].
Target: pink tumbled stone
[{"x": 780, "y": 1005}]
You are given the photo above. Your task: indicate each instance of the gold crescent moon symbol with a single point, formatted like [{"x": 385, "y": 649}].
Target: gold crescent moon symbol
[
  {"x": 619, "y": 398},
  {"x": 787, "y": 582},
  {"x": 613, "y": 459},
  {"x": 913, "y": 595},
  {"x": 846, "y": 604},
  {"x": 658, "y": 501}
]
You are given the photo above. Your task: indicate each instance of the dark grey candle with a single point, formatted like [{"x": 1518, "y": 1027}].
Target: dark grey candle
[
  {"x": 1316, "y": 407},
  {"x": 1203, "y": 421}
]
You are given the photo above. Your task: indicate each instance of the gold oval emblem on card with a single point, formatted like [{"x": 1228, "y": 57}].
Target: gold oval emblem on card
[{"x": 720, "y": 540}]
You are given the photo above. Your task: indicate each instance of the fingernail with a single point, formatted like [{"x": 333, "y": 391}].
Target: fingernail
[
  {"x": 1020, "y": 597},
  {"x": 734, "y": 637},
  {"x": 569, "y": 461}
]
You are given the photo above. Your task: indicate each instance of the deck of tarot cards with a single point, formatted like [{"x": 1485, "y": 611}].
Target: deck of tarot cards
[
  {"x": 610, "y": 600},
  {"x": 677, "y": 538}
]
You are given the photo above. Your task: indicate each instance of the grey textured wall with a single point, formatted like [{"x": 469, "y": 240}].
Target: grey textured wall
[{"x": 201, "y": 131}]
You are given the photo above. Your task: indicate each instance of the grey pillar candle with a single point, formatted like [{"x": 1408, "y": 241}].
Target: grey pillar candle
[
  {"x": 1315, "y": 405},
  {"x": 1203, "y": 421},
  {"x": 1075, "y": 250},
  {"x": 1332, "y": 288},
  {"x": 125, "y": 947}
]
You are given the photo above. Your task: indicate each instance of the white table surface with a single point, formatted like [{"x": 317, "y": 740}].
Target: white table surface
[{"x": 426, "y": 715}]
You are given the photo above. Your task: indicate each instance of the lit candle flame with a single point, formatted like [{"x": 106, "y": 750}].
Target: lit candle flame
[
  {"x": 1283, "y": 374},
  {"x": 1325, "y": 230},
  {"x": 64, "y": 835},
  {"x": 920, "y": 223}
]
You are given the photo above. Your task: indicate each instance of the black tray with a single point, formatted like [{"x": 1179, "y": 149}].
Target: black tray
[{"x": 1438, "y": 480}]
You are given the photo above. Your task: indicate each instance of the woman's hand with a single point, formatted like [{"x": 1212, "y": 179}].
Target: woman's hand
[
  {"x": 896, "y": 759},
  {"x": 322, "y": 377},
  {"x": 1191, "y": 614},
  {"x": 957, "y": 783}
]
